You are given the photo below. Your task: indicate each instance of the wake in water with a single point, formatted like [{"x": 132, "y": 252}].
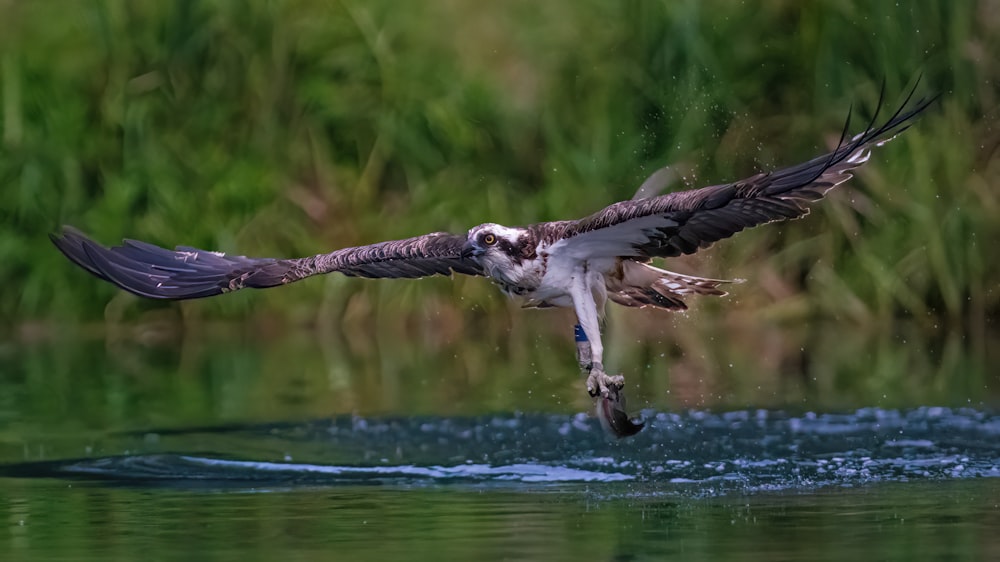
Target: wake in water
[{"x": 696, "y": 453}]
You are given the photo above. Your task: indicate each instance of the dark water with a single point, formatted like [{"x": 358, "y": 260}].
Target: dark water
[
  {"x": 161, "y": 454},
  {"x": 696, "y": 454},
  {"x": 753, "y": 485}
]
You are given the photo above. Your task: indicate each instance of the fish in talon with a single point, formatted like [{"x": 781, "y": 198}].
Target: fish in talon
[{"x": 614, "y": 418}]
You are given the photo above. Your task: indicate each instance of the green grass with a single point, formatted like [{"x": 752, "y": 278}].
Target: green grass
[{"x": 294, "y": 127}]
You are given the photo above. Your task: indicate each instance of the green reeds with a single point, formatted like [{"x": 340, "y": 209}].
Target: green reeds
[{"x": 291, "y": 128}]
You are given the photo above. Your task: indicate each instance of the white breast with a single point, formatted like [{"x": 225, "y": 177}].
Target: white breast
[{"x": 559, "y": 269}]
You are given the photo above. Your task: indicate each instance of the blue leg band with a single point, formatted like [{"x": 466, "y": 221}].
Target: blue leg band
[{"x": 579, "y": 333}]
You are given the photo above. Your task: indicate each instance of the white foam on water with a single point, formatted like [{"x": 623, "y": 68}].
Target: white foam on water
[{"x": 518, "y": 472}]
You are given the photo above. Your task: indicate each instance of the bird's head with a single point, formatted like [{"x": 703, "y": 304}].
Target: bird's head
[{"x": 501, "y": 250}]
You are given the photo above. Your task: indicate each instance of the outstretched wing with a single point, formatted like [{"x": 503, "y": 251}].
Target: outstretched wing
[
  {"x": 189, "y": 273},
  {"x": 684, "y": 222}
]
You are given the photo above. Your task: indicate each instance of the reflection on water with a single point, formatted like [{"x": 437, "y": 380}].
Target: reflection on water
[
  {"x": 755, "y": 484},
  {"x": 301, "y": 448},
  {"x": 917, "y": 521},
  {"x": 224, "y": 373}
]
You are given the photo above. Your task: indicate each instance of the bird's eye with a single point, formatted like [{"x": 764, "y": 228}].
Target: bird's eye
[{"x": 490, "y": 239}]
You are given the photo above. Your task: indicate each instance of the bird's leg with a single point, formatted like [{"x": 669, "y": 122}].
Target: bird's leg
[
  {"x": 583, "y": 353},
  {"x": 590, "y": 353},
  {"x": 599, "y": 383}
]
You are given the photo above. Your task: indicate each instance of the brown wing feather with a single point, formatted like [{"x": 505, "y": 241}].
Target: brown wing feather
[
  {"x": 189, "y": 273},
  {"x": 439, "y": 253},
  {"x": 692, "y": 220}
]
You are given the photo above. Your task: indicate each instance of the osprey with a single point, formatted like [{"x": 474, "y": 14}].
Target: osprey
[{"x": 573, "y": 263}]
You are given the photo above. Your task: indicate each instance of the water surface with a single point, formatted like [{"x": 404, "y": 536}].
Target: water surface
[{"x": 110, "y": 452}]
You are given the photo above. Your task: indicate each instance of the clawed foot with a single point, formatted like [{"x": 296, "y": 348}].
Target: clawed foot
[
  {"x": 602, "y": 384},
  {"x": 611, "y": 402}
]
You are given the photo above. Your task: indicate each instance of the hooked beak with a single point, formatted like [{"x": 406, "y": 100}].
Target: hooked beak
[{"x": 470, "y": 250}]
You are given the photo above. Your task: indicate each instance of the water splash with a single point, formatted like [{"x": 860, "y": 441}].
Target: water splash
[
  {"x": 167, "y": 467},
  {"x": 694, "y": 453}
]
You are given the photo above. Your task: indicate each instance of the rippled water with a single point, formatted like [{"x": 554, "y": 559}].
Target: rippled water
[
  {"x": 133, "y": 453},
  {"x": 693, "y": 454},
  {"x": 753, "y": 484}
]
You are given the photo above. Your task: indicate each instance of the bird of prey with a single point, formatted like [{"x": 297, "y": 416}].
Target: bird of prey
[{"x": 570, "y": 263}]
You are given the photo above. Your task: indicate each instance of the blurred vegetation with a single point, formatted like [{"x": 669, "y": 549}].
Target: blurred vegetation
[{"x": 289, "y": 128}]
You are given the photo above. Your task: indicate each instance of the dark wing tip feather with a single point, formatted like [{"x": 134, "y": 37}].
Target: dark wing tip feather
[
  {"x": 157, "y": 273},
  {"x": 71, "y": 243},
  {"x": 837, "y": 165},
  {"x": 694, "y": 219},
  {"x": 189, "y": 273}
]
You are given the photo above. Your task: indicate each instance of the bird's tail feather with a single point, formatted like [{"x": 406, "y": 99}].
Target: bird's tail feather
[{"x": 641, "y": 284}]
